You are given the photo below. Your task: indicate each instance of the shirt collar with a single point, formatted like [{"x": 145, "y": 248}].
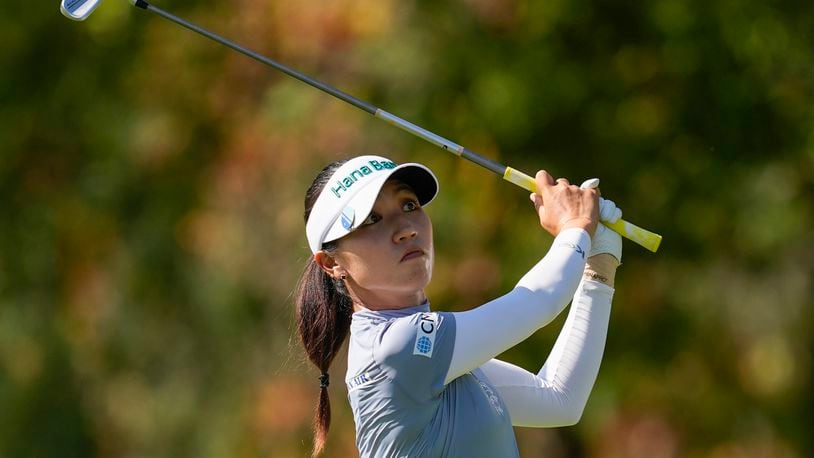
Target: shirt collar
[{"x": 367, "y": 314}]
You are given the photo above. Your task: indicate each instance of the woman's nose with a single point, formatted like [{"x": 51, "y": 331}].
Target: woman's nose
[{"x": 404, "y": 233}]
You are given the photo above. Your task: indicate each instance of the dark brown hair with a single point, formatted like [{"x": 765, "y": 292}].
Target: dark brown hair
[{"x": 323, "y": 315}]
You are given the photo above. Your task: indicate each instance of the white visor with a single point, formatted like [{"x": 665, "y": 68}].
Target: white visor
[{"x": 348, "y": 197}]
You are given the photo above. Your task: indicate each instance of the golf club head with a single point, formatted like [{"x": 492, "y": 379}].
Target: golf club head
[{"x": 78, "y": 10}]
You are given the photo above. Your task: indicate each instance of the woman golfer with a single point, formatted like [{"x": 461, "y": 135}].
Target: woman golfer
[{"x": 425, "y": 383}]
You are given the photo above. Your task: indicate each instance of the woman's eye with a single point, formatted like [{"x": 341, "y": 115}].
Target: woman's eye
[
  {"x": 411, "y": 206},
  {"x": 371, "y": 218}
]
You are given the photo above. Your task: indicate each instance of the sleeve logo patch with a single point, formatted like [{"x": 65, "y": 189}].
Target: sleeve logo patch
[{"x": 425, "y": 334}]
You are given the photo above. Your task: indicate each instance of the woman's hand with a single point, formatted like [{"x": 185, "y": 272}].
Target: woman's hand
[{"x": 561, "y": 205}]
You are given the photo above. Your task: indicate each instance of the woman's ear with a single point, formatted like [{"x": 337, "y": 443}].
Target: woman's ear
[{"x": 329, "y": 265}]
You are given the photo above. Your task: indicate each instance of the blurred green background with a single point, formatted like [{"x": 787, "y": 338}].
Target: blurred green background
[{"x": 151, "y": 232}]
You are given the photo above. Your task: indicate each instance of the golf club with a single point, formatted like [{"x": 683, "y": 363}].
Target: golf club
[{"x": 79, "y": 10}]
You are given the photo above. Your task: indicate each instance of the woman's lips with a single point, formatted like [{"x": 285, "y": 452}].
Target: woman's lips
[{"x": 412, "y": 254}]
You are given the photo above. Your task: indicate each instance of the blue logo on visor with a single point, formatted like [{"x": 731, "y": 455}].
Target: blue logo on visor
[{"x": 348, "y": 215}]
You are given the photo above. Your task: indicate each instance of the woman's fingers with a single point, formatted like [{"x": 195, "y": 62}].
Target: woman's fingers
[
  {"x": 560, "y": 204},
  {"x": 543, "y": 179}
]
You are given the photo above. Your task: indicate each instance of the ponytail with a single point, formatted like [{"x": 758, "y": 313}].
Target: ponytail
[
  {"x": 323, "y": 322},
  {"x": 323, "y": 317}
]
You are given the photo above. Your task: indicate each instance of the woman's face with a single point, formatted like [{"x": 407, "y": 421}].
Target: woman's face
[{"x": 388, "y": 259}]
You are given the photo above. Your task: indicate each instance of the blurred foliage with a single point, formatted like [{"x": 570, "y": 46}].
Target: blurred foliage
[{"x": 151, "y": 226}]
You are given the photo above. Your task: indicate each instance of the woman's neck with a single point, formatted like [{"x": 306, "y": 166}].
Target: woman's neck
[{"x": 369, "y": 300}]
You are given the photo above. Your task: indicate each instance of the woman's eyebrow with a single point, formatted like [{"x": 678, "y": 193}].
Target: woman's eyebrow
[{"x": 403, "y": 187}]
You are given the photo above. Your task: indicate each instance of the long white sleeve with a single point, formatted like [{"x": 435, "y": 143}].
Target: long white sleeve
[
  {"x": 557, "y": 395},
  {"x": 486, "y": 331}
]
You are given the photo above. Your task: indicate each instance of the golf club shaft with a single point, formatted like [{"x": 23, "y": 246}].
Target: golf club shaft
[{"x": 643, "y": 237}]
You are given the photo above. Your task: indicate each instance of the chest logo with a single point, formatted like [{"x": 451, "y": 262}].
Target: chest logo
[{"x": 359, "y": 381}]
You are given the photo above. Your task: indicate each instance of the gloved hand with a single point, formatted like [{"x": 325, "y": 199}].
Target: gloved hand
[{"x": 604, "y": 239}]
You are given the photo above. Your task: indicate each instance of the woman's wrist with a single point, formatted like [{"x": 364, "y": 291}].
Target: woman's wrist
[
  {"x": 601, "y": 268},
  {"x": 585, "y": 223}
]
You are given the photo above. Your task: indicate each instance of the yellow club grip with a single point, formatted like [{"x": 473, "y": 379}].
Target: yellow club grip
[
  {"x": 630, "y": 231},
  {"x": 520, "y": 179},
  {"x": 643, "y": 237}
]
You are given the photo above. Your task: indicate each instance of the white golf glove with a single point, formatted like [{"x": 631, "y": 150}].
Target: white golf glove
[{"x": 605, "y": 240}]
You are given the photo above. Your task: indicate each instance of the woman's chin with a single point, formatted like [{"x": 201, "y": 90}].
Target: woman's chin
[{"x": 417, "y": 280}]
